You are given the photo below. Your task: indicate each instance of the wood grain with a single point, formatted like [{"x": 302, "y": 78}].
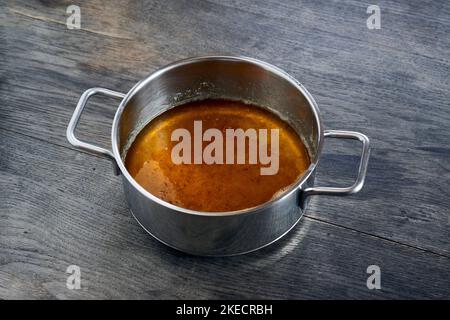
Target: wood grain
[
  {"x": 391, "y": 84},
  {"x": 60, "y": 207}
]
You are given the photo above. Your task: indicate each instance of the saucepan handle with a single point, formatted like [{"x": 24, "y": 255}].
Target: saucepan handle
[
  {"x": 76, "y": 118},
  {"x": 358, "y": 184}
]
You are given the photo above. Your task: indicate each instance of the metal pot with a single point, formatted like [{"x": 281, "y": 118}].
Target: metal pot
[{"x": 245, "y": 79}]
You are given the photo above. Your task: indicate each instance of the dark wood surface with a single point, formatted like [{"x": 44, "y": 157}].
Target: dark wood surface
[{"x": 60, "y": 206}]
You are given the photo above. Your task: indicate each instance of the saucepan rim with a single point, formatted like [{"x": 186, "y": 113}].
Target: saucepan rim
[{"x": 268, "y": 67}]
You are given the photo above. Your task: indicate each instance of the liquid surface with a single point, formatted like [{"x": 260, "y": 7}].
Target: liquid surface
[{"x": 213, "y": 187}]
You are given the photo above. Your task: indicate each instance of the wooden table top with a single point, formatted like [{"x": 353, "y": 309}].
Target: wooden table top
[{"x": 62, "y": 207}]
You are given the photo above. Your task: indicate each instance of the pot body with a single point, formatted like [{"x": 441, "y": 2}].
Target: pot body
[
  {"x": 220, "y": 235},
  {"x": 244, "y": 79}
]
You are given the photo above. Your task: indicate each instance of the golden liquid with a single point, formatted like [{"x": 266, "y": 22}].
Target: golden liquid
[{"x": 214, "y": 187}]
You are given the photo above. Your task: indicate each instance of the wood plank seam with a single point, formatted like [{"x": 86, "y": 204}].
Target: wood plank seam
[{"x": 378, "y": 237}]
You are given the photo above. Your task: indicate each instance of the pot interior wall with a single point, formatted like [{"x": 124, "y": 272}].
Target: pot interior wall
[{"x": 223, "y": 77}]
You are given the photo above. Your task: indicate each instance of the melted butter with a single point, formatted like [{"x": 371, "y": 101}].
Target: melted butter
[{"x": 215, "y": 187}]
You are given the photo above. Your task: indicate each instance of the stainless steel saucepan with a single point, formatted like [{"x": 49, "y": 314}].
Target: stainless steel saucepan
[{"x": 238, "y": 78}]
